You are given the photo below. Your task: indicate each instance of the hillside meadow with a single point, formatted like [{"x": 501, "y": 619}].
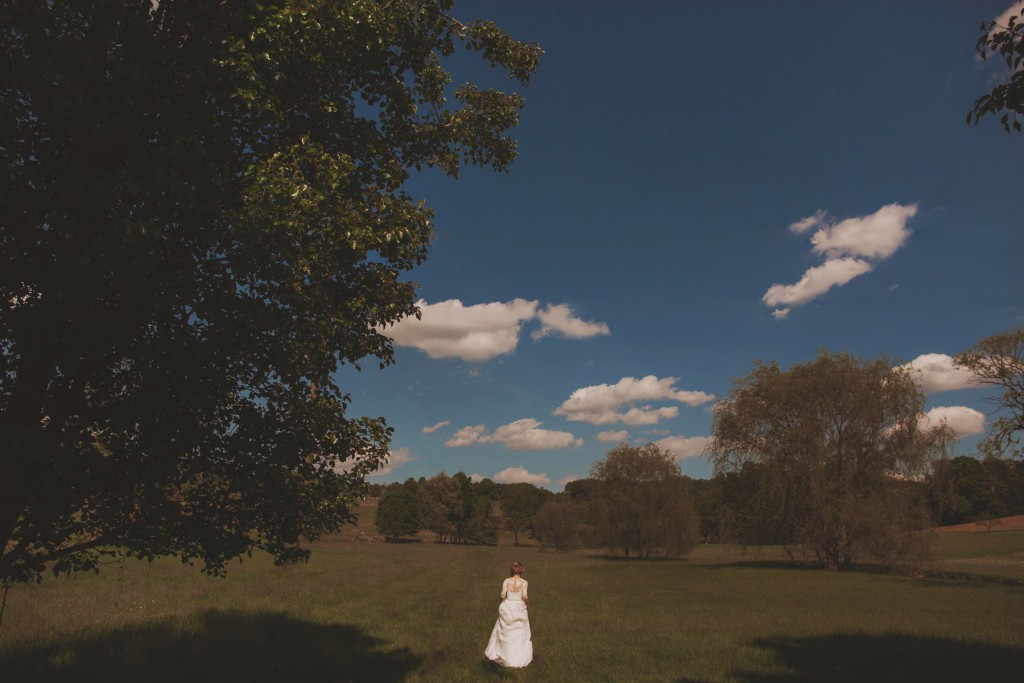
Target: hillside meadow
[{"x": 420, "y": 611}]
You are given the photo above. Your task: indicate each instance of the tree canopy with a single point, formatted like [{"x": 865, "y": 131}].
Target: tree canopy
[
  {"x": 828, "y": 452},
  {"x": 398, "y": 511},
  {"x": 519, "y": 505},
  {"x": 641, "y": 503},
  {"x": 202, "y": 218},
  {"x": 968, "y": 489},
  {"x": 998, "y": 361},
  {"x": 557, "y": 524}
]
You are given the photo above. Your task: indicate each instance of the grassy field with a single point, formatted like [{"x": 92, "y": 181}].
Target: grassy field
[{"x": 423, "y": 612}]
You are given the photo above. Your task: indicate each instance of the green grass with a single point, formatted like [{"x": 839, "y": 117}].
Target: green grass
[
  {"x": 423, "y": 612},
  {"x": 996, "y": 553}
]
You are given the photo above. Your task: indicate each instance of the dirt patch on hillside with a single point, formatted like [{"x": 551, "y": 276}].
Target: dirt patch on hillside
[{"x": 1014, "y": 523}]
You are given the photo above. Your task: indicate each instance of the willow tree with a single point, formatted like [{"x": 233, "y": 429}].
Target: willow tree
[
  {"x": 202, "y": 218},
  {"x": 831, "y": 452}
]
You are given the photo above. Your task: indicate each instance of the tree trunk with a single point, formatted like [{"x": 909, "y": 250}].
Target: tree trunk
[{"x": 20, "y": 434}]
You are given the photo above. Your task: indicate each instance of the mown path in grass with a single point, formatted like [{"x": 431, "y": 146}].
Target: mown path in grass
[{"x": 423, "y": 612}]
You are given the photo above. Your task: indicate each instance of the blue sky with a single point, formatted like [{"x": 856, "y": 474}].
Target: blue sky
[{"x": 700, "y": 185}]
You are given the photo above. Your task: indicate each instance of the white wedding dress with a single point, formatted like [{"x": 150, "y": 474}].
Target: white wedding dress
[{"x": 510, "y": 643}]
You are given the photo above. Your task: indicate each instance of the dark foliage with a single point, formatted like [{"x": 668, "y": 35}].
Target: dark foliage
[{"x": 202, "y": 216}]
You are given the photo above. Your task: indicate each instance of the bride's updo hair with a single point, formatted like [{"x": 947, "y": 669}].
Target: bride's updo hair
[{"x": 516, "y": 569}]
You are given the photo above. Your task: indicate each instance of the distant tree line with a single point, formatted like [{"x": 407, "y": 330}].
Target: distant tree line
[
  {"x": 637, "y": 503},
  {"x": 662, "y": 513},
  {"x": 456, "y": 509},
  {"x": 969, "y": 489},
  {"x": 829, "y": 459}
]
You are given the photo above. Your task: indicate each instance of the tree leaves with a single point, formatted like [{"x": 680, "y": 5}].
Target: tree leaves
[
  {"x": 203, "y": 218},
  {"x": 640, "y": 502},
  {"x": 1008, "y": 43},
  {"x": 827, "y": 452},
  {"x": 998, "y": 361}
]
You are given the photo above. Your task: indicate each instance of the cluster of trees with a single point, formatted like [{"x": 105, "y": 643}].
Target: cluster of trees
[
  {"x": 829, "y": 458},
  {"x": 456, "y": 509},
  {"x": 970, "y": 489},
  {"x": 642, "y": 517},
  {"x": 636, "y": 502},
  {"x": 956, "y": 490}
]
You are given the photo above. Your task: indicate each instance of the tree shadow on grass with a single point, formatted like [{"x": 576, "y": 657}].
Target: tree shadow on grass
[
  {"x": 216, "y": 645},
  {"x": 885, "y": 657}
]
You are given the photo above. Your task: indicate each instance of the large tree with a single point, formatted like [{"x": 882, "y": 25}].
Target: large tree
[
  {"x": 476, "y": 520},
  {"x": 1005, "y": 41},
  {"x": 641, "y": 504},
  {"x": 998, "y": 361},
  {"x": 558, "y": 523},
  {"x": 829, "y": 453},
  {"x": 202, "y": 217},
  {"x": 440, "y": 505},
  {"x": 398, "y": 511},
  {"x": 519, "y": 505}
]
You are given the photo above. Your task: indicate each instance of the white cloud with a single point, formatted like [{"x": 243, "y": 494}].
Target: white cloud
[
  {"x": 434, "y": 428},
  {"x": 962, "y": 420},
  {"x": 648, "y": 415},
  {"x": 815, "y": 282},
  {"x": 684, "y": 447},
  {"x": 936, "y": 372},
  {"x": 559, "y": 318},
  {"x": 849, "y": 247},
  {"x": 805, "y": 224},
  {"x": 525, "y": 435},
  {"x": 476, "y": 477},
  {"x": 521, "y": 435},
  {"x": 467, "y": 436},
  {"x": 474, "y": 333},
  {"x": 601, "y": 403},
  {"x": 613, "y": 436},
  {"x": 395, "y": 459},
  {"x": 478, "y": 333},
  {"x": 520, "y": 475},
  {"x": 877, "y": 236}
]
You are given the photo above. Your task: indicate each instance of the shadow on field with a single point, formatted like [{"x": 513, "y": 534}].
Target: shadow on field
[
  {"x": 216, "y": 645},
  {"x": 885, "y": 657}
]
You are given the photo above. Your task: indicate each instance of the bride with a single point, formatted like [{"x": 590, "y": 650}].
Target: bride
[{"x": 510, "y": 643}]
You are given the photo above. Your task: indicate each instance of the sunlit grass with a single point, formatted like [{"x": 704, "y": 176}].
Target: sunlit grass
[
  {"x": 983, "y": 554},
  {"x": 423, "y": 612}
]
